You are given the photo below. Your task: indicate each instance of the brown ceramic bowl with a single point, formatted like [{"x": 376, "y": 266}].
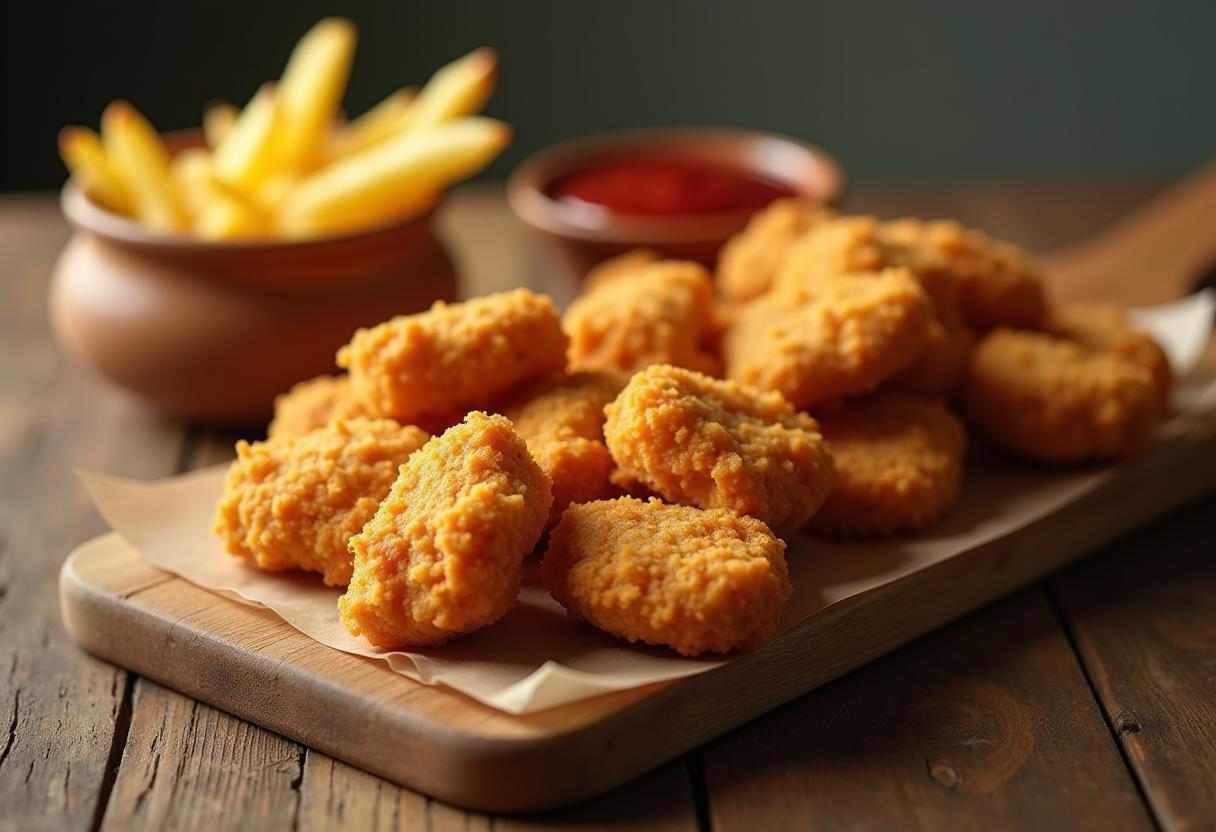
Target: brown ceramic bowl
[
  {"x": 212, "y": 331},
  {"x": 587, "y": 237}
]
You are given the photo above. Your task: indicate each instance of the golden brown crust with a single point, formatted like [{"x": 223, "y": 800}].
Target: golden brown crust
[
  {"x": 660, "y": 314},
  {"x": 899, "y": 464},
  {"x": 718, "y": 444},
  {"x": 444, "y": 553},
  {"x": 750, "y": 260},
  {"x": 424, "y": 368},
  {"x": 1056, "y": 400},
  {"x": 623, "y": 265},
  {"x": 693, "y": 580},
  {"x": 294, "y": 502},
  {"x": 837, "y": 337},
  {"x": 312, "y": 404},
  {"x": 1105, "y": 328},
  {"x": 562, "y": 420}
]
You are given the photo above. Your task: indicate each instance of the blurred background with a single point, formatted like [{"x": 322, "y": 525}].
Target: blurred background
[{"x": 941, "y": 90}]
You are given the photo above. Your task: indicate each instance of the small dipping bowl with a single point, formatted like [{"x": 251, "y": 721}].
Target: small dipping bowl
[
  {"x": 588, "y": 233},
  {"x": 213, "y": 331}
]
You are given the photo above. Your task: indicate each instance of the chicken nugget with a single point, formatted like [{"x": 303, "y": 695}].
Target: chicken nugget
[
  {"x": 717, "y": 444},
  {"x": 562, "y": 420},
  {"x": 899, "y": 463},
  {"x": 293, "y": 502},
  {"x": 623, "y": 265},
  {"x": 997, "y": 284},
  {"x": 839, "y": 337},
  {"x": 694, "y": 580},
  {"x": 312, "y": 404},
  {"x": 424, "y": 368},
  {"x": 444, "y": 553},
  {"x": 1105, "y": 328},
  {"x": 1056, "y": 400},
  {"x": 750, "y": 260},
  {"x": 661, "y": 314}
]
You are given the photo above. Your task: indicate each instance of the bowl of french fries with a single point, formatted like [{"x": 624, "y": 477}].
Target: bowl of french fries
[{"x": 212, "y": 269}]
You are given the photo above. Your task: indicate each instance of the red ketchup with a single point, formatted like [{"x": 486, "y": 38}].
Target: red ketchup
[{"x": 667, "y": 186}]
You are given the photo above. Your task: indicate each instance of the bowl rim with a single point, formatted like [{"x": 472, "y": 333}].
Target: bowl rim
[
  {"x": 528, "y": 183},
  {"x": 85, "y": 214}
]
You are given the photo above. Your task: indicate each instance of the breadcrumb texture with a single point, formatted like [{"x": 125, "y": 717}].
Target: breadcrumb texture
[
  {"x": 1057, "y": 400},
  {"x": 660, "y": 313},
  {"x": 899, "y": 465},
  {"x": 444, "y": 553},
  {"x": 837, "y": 337},
  {"x": 312, "y": 404},
  {"x": 693, "y": 580},
  {"x": 562, "y": 420},
  {"x": 717, "y": 444},
  {"x": 293, "y": 502},
  {"x": 424, "y": 368},
  {"x": 750, "y": 260},
  {"x": 1106, "y": 328}
]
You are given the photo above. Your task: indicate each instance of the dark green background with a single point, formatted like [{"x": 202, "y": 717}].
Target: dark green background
[{"x": 897, "y": 90}]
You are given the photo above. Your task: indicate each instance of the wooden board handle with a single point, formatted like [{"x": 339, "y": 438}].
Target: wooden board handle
[{"x": 1159, "y": 252}]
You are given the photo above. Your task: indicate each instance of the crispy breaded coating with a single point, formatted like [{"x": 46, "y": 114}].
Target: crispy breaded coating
[
  {"x": 1105, "y": 328},
  {"x": 312, "y": 404},
  {"x": 750, "y": 260},
  {"x": 717, "y": 444},
  {"x": 899, "y": 463},
  {"x": 842, "y": 336},
  {"x": 444, "y": 553},
  {"x": 1056, "y": 400},
  {"x": 424, "y": 368},
  {"x": 660, "y": 314},
  {"x": 623, "y": 265},
  {"x": 997, "y": 284},
  {"x": 293, "y": 502},
  {"x": 694, "y": 580},
  {"x": 562, "y": 420}
]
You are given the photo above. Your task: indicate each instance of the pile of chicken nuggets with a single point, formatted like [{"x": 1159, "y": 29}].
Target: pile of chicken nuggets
[{"x": 658, "y": 441}]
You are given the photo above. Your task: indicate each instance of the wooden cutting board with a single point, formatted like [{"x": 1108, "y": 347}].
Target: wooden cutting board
[{"x": 248, "y": 662}]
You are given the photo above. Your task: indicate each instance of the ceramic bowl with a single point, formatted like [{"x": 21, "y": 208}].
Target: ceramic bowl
[
  {"x": 212, "y": 331},
  {"x": 587, "y": 237}
]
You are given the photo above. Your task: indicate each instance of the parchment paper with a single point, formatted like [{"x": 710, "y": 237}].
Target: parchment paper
[{"x": 535, "y": 658}]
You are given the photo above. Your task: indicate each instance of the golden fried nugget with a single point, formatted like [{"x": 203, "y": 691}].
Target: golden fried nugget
[
  {"x": 750, "y": 260},
  {"x": 1057, "y": 400},
  {"x": 840, "y": 337},
  {"x": 899, "y": 463},
  {"x": 1105, "y": 328},
  {"x": 997, "y": 284},
  {"x": 424, "y": 368},
  {"x": 694, "y": 580},
  {"x": 660, "y": 314},
  {"x": 312, "y": 404},
  {"x": 444, "y": 553},
  {"x": 293, "y": 502},
  {"x": 562, "y": 420},
  {"x": 623, "y": 265},
  {"x": 718, "y": 444}
]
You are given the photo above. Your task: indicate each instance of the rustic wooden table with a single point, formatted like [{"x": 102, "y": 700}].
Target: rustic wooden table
[{"x": 1086, "y": 701}]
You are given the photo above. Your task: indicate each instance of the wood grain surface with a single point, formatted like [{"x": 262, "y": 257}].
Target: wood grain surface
[{"x": 68, "y": 716}]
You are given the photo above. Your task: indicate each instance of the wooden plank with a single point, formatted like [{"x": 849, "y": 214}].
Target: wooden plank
[
  {"x": 1144, "y": 619},
  {"x": 64, "y": 714},
  {"x": 443, "y": 744},
  {"x": 985, "y": 725}
]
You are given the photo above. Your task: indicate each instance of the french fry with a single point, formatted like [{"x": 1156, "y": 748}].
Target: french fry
[
  {"x": 216, "y": 211},
  {"x": 393, "y": 180},
  {"x": 85, "y": 157},
  {"x": 231, "y": 219},
  {"x": 458, "y": 89},
  {"x": 249, "y": 153},
  {"x": 140, "y": 157},
  {"x": 270, "y": 194},
  {"x": 192, "y": 179},
  {"x": 388, "y": 117},
  {"x": 311, "y": 91},
  {"x": 218, "y": 119}
]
